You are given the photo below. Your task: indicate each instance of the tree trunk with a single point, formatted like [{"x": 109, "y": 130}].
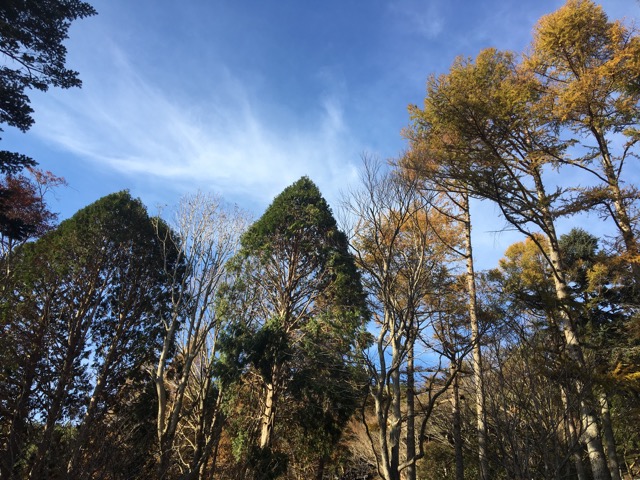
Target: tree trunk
[
  {"x": 17, "y": 429},
  {"x": 620, "y": 214},
  {"x": 268, "y": 417},
  {"x": 320, "y": 470},
  {"x": 588, "y": 419},
  {"x": 410, "y": 472},
  {"x": 609, "y": 440},
  {"x": 571, "y": 436},
  {"x": 74, "y": 346},
  {"x": 481, "y": 429},
  {"x": 37, "y": 470},
  {"x": 457, "y": 426},
  {"x": 382, "y": 400},
  {"x": 396, "y": 414},
  {"x": 388, "y": 406},
  {"x": 89, "y": 417},
  {"x": 590, "y": 432},
  {"x": 165, "y": 437}
]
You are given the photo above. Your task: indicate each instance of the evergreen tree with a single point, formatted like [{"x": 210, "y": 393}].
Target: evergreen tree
[
  {"x": 300, "y": 334},
  {"x": 32, "y": 35},
  {"x": 80, "y": 316}
]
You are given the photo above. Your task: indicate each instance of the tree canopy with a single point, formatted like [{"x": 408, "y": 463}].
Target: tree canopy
[
  {"x": 308, "y": 314},
  {"x": 32, "y": 33}
]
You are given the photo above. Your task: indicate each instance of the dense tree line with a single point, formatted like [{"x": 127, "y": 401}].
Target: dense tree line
[{"x": 198, "y": 344}]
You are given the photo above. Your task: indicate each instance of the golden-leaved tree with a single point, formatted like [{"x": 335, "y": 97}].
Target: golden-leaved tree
[{"x": 501, "y": 126}]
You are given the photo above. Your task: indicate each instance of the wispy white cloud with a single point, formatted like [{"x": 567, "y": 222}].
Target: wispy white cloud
[
  {"x": 226, "y": 140},
  {"x": 419, "y": 17}
]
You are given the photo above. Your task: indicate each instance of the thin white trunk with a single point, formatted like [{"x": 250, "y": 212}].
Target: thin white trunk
[
  {"x": 481, "y": 429},
  {"x": 396, "y": 410},
  {"x": 410, "y": 472},
  {"x": 572, "y": 436},
  {"x": 268, "y": 417},
  {"x": 620, "y": 214},
  {"x": 588, "y": 419},
  {"x": 457, "y": 425}
]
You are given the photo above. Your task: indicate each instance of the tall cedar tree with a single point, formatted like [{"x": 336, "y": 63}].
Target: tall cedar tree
[{"x": 309, "y": 315}]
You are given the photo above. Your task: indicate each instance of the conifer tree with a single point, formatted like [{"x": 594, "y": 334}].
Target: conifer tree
[{"x": 306, "y": 320}]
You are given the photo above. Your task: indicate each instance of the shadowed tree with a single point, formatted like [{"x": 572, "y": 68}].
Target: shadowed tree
[
  {"x": 24, "y": 214},
  {"x": 81, "y": 315},
  {"x": 299, "y": 343}
]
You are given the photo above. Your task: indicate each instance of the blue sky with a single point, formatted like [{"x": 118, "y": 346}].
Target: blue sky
[{"x": 241, "y": 98}]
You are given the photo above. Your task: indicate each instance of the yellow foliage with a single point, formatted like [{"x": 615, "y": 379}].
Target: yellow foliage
[
  {"x": 525, "y": 261},
  {"x": 627, "y": 374},
  {"x": 597, "y": 275},
  {"x": 588, "y": 65}
]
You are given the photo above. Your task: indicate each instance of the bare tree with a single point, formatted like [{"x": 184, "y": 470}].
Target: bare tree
[
  {"x": 396, "y": 236},
  {"x": 206, "y": 234}
]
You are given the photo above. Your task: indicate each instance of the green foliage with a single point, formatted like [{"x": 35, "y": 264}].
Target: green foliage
[
  {"x": 299, "y": 208},
  {"x": 32, "y": 35},
  {"x": 299, "y": 231},
  {"x": 438, "y": 463},
  {"x": 84, "y": 302},
  {"x": 268, "y": 346},
  {"x": 299, "y": 222},
  {"x": 266, "y": 463},
  {"x": 298, "y": 309}
]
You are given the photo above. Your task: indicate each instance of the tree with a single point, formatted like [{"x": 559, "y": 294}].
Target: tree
[
  {"x": 81, "y": 313},
  {"x": 300, "y": 336},
  {"x": 571, "y": 103},
  {"x": 524, "y": 279},
  {"x": 530, "y": 330},
  {"x": 478, "y": 124},
  {"x": 125, "y": 335},
  {"x": 400, "y": 243},
  {"x": 24, "y": 214},
  {"x": 417, "y": 162},
  {"x": 31, "y": 43},
  {"x": 189, "y": 389},
  {"x": 604, "y": 316},
  {"x": 588, "y": 70}
]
